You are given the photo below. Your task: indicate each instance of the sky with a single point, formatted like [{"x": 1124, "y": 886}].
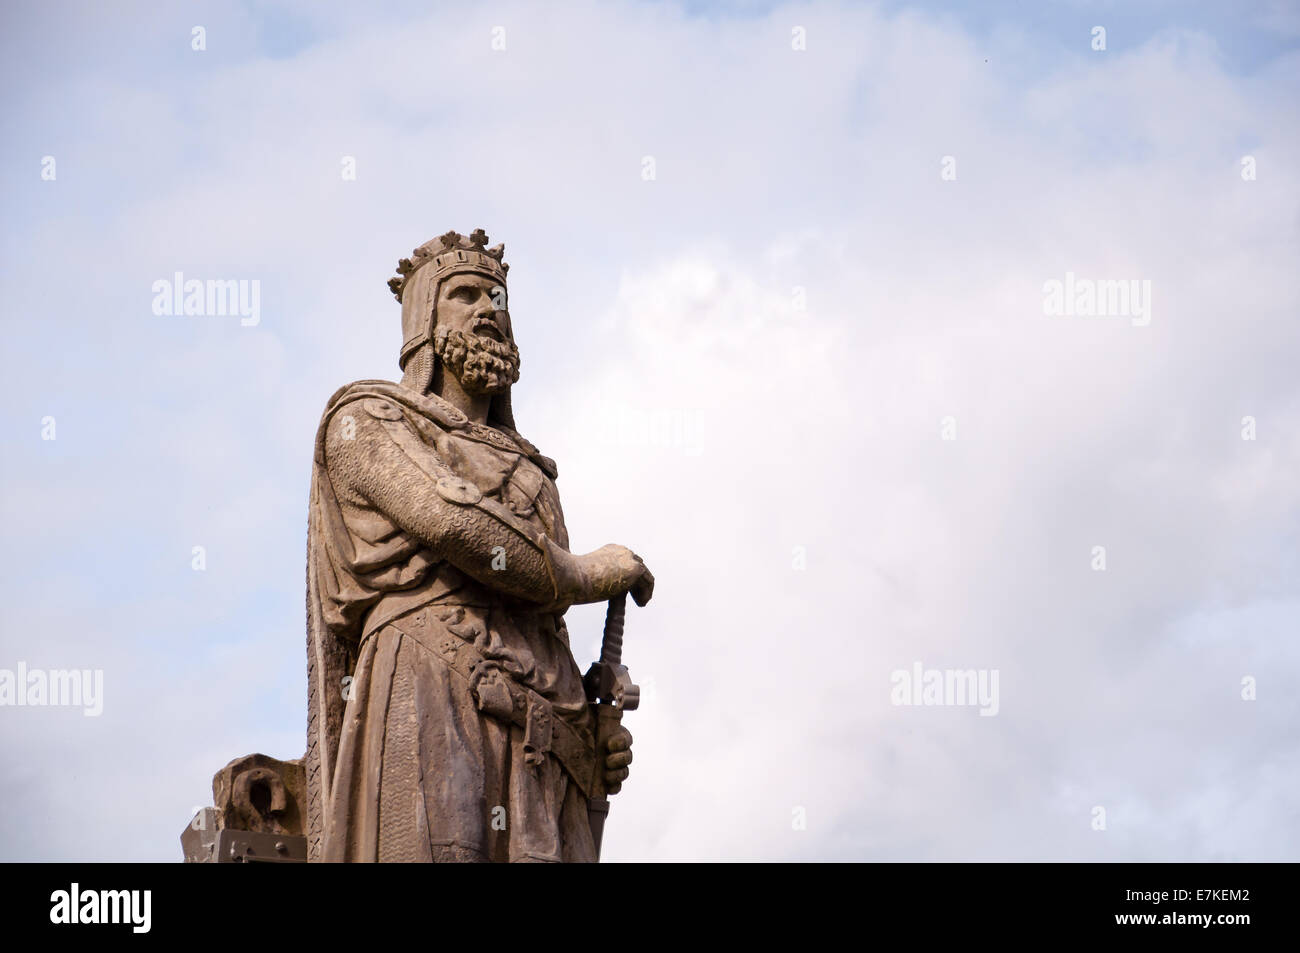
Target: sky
[{"x": 780, "y": 278}]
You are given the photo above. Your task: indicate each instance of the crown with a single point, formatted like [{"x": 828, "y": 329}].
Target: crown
[{"x": 451, "y": 253}]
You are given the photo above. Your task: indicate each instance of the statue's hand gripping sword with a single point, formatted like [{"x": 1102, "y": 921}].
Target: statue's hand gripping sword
[{"x": 611, "y": 692}]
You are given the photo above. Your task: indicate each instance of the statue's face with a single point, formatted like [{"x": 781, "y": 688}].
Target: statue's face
[
  {"x": 469, "y": 303},
  {"x": 472, "y": 334}
]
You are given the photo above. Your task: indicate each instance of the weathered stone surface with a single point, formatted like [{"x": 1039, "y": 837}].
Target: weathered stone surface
[
  {"x": 199, "y": 839},
  {"x": 260, "y": 793},
  {"x": 258, "y": 815},
  {"x": 447, "y": 717}
]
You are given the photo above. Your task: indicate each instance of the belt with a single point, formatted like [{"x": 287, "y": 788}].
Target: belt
[
  {"x": 395, "y": 605},
  {"x": 499, "y": 695}
]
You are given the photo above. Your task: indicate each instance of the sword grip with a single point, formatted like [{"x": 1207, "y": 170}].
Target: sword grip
[{"x": 611, "y": 645}]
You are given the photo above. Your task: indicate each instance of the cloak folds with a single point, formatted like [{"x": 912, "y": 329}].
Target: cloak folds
[{"x": 447, "y": 718}]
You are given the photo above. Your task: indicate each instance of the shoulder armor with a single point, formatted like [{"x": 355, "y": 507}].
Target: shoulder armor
[
  {"x": 455, "y": 490},
  {"x": 381, "y": 409}
]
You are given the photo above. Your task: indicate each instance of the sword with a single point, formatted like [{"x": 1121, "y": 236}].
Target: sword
[{"x": 611, "y": 692}]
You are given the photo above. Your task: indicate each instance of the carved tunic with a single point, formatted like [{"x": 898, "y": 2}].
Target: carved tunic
[{"x": 464, "y": 731}]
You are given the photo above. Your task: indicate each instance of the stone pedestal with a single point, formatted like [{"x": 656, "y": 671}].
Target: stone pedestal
[{"x": 258, "y": 818}]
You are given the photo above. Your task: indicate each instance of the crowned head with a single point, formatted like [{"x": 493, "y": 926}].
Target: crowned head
[{"x": 455, "y": 316}]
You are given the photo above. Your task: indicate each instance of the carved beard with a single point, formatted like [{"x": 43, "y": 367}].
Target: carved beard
[{"x": 482, "y": 365}]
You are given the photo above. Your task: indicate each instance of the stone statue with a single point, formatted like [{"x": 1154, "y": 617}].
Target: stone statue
[
  {"x": 448, "y": 720},
  {"x": 257, "y": 818}
]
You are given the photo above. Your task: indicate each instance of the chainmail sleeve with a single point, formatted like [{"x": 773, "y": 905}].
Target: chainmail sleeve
[{"x": 377, "y": 457}]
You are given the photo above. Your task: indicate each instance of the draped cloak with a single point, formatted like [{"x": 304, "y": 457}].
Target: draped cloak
[{"x": 406, "y": 567}]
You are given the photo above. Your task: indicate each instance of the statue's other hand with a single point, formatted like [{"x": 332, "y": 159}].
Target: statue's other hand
[
  {"x": 614, "y": 570},
  {"x": 644, "y": 587},
  {"x": 618, "y": 755}
]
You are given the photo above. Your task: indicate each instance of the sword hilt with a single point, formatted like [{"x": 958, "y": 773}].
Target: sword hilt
[
  {"x": 607, "y": 681},
  {"x": 611, "y": 692},
  {"x": 611, "y": 645}
]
